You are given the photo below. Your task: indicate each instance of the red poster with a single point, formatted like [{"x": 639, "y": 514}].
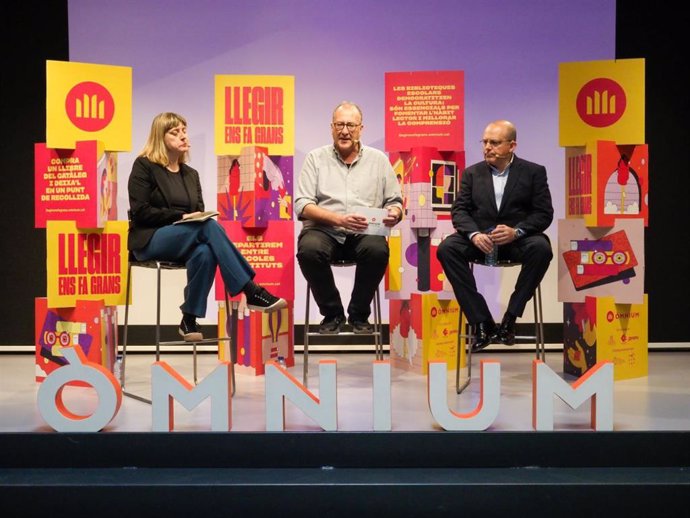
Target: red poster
[{"x": 425, "y": 109}]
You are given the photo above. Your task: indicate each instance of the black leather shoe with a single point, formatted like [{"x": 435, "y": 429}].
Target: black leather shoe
[
  {"x": 331, "y": 325},
  {"x": 483, "y": 335},
  {"x": 506, "y": 331},
  {"x": 360, "y": 327}
]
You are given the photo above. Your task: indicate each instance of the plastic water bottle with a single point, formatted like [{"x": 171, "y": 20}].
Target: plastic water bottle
[
  {"x": 281, "y": 362},
  {"x": 491, "y": 258},
  {"x": 117, "y": 367}
]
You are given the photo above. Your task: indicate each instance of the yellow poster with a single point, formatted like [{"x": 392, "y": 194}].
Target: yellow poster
[
  {"x": 424, "y": 329},
  {"x": 600, "y": 329},
  {"x": 602, "y": 100},
  {"x": 85, "y": 101},
  {"x": 86, "y": 264},
  {"x": 622, "y": 337},
  {"x": 254, "y": 111}
]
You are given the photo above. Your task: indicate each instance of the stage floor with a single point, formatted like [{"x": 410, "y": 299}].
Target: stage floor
[{"x": 657, "y": 402}]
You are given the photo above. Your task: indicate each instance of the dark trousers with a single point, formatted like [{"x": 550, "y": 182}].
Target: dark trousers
[
  {"x": 202, "y": 247},
  {"x": 316, "y": 250},
  {"x": 456, "y": 252}
]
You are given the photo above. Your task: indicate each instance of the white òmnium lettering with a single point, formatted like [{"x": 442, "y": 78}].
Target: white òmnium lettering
[
  {"x": 79, "y": 369},
  {"x": 168, "y": 386}
]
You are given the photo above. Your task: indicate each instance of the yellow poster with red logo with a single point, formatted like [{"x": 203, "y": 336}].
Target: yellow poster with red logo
[
  {"x": 254, "y": 111},
  {"x": 86, "y": 264},
  {"x": 602, "y": 100},
  {"x": 86, "y": 101}
]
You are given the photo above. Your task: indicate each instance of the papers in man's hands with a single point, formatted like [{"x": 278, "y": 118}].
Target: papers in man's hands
[
  {"x": 375, "y": 220},
  {"x": 202, "y": 216}
]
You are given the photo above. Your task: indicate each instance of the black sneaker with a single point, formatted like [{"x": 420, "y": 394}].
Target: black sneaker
[
  {"x": 190, "y": 330},
  {"x": 361, "y": 327},
  {"x": 263, "y": 301},
  {"x": 331, "y": 325}
]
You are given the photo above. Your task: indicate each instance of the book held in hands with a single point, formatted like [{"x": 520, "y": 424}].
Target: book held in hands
[{"x": 202, "y": 216}]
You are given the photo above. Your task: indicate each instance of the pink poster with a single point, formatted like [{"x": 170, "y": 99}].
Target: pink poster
[{"x": 270, "y": 251}]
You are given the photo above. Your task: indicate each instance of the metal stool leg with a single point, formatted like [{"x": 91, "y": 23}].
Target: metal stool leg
[
  {"x": 540, "y": 344},
  {"x": 160, "y": 265},
  {"x": 377, "y": 333},
  {"x": 231, "y": 331},
  {"x": 469, "y": 337},
  {"x": 125, "y": 334},
  {"x": 125, "y": 338},
  {"x": 378, "y": 326},
  {"x": 158, "y": 312},
  {"x": 539, "y": 325},
  {"x": 305, "y": 352}
]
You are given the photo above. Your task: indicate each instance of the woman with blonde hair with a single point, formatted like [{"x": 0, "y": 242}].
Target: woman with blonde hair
[{"x": 163, "y": 190}]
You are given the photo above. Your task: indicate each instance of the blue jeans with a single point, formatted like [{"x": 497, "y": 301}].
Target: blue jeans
[{"x": 202, "y": 247}]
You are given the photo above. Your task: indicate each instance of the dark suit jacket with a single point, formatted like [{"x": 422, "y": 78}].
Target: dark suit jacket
[
  {"x": 149, "y": 195},
  {"x": 526, "y": 199}
]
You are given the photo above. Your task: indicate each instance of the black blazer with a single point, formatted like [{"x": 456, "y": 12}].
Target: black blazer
[
  {"x": 526, "y": 200},
  {"x": 149, "y": 195}
]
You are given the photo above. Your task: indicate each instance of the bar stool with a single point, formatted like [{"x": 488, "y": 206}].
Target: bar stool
[
  {"x": 537, "y": 338},
  {"x": 377, "y": 333},
  {"x": 161, "y": 266}
]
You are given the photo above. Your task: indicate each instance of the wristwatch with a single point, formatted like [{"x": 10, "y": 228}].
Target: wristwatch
[{"x": 519, "y": 233}]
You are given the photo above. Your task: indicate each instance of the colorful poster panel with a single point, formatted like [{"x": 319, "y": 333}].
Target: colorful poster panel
[
  {"x": 601, "y": 100},
  {"x": 425, "y": 109},
  {"x": 412, "y": 265},
  {"x": 606, "y": 182},
  {"x": 89, "y": 264},
  {"x": 601, "y": 262},
  {"x": 429, "y": 181},
  {"x": 599, "y": 329},
  {"x": 90, "y": 325},
  {"x": 254, "y": 188},
  {"x": 260, "y": 337},
  {"x": 270, "y": 252},
  {"x": 254, "y": 110},
  {"x": 86, "y": 101},
  {"x": 77, "y": 185},
  {"x": 424, "y": 329}
]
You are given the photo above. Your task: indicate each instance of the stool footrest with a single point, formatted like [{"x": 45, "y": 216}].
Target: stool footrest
[
  {"x": 342, "y": 333},
  {"x": 211, "y": 341}
]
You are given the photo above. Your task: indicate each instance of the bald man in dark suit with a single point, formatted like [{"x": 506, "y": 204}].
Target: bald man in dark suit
[{"x": 504, "y": 201}]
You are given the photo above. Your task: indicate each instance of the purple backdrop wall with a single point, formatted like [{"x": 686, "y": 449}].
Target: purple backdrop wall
[{"x": 509, "y": 52}]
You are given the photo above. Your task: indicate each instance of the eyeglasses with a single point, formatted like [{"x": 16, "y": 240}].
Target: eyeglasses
[
  {"x": 492, "y": 143},
  {"x": 340, "y": 126}
]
